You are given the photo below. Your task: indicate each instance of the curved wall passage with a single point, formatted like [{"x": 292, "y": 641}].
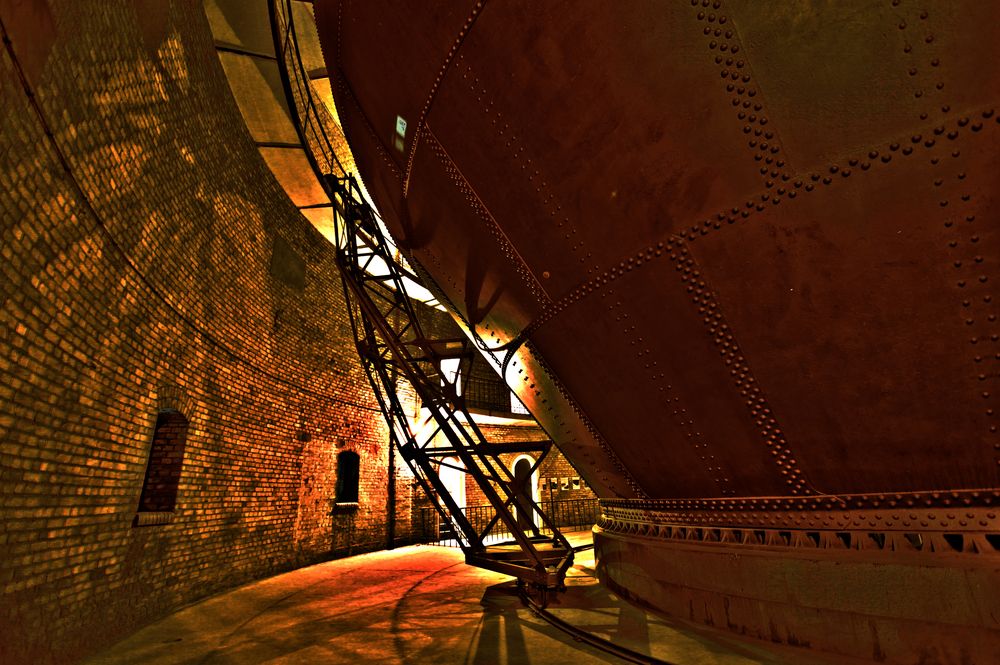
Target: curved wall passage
[{"x": 146, "y": 250}]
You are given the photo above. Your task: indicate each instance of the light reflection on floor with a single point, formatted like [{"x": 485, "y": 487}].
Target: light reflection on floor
[{"x": 422, "y": 604}]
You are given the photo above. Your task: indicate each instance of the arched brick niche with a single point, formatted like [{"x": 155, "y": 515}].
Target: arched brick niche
[{"x": 163, "y": 468}]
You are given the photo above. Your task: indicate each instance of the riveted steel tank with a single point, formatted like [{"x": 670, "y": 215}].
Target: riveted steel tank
[{"x": 744, "y": 257}]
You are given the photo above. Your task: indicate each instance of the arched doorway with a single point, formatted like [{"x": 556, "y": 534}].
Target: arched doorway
[
  {"x": 526, "y": 486},
  {"x": 453, "y": 478}
]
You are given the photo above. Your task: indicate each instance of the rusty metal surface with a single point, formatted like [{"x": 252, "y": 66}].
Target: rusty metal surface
[
  {"x": 864, "y": 599},
  {"x": 751, "y": 246}
]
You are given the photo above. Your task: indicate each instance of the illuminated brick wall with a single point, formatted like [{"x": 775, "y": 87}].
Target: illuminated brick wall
[
  {"x": 150, "y": 262},
  {"x": 555, "y": 467}
]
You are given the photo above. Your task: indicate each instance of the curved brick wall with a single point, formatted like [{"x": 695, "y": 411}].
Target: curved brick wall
[{"x": 150, "y": 260}]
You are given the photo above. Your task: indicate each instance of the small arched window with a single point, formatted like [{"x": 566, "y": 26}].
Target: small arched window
[
  {"x": 348, "y": 466},
  {"x": 163, "y": 470}
]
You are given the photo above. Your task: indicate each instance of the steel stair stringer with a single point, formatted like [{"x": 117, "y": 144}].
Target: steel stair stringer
[{"x": 393, "y": 345}]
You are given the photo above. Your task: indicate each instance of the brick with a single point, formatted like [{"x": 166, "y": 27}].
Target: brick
[{"x": 154, "y": 285}]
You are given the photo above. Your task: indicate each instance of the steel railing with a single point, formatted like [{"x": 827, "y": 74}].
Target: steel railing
[{"x": 566, "y": 514}]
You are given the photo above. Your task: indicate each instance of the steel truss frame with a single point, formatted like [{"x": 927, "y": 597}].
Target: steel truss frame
[{"x": 392, "y": 345}]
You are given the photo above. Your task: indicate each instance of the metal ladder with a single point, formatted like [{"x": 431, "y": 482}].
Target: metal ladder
[{"x": 392, "y": 345}]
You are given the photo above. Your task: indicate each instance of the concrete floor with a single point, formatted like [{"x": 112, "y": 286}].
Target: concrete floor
[{"x": 422, "y": 604}]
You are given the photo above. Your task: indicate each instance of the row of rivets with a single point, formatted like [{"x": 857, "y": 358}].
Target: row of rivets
[
  {"x": 745, "y": 98},
  {"x": 553, "y": 421},
  {"x": 923, "y": 91},
  {"x": 805, "y": 183},
  {"x": 595, "y": 284},
  {"x": 722, "y": 337},
  {"x": 841, "y": 537},
  {"x": 551, "y": 209},
  {"x": 797, "y": 184},
  {"x": 953, "y": 499},
  {"x": 585, "y": 420},
  {"x": 449, "y": 58},
  {"x": 979, "y": 313},
  {"x": 440, "y": 273},
  {"x": 338, "y": 50},
  {"x": 511, "y": 254},
  {"x": 671, "y": 402}
]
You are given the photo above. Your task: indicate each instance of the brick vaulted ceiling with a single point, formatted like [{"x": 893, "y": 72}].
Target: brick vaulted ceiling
[{"x": 745, "y": 250}]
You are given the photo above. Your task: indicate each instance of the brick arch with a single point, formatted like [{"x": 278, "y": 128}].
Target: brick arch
[{"x": 171, "y": 397}]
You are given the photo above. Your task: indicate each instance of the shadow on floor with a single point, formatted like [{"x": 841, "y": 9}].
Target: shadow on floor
[{"x": 507, "y": 626}]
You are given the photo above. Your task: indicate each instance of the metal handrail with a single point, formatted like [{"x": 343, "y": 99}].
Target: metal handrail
[
  {"x": 561, "y": 512},
  {"x": 306, "y": 114},
  {"x": 315, "y": 118}
]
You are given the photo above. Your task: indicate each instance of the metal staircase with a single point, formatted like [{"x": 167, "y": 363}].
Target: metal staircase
[{"x": 394, "y": 346}]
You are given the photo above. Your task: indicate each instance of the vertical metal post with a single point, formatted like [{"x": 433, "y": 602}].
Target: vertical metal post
[{"x": 390, "y": 531}]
